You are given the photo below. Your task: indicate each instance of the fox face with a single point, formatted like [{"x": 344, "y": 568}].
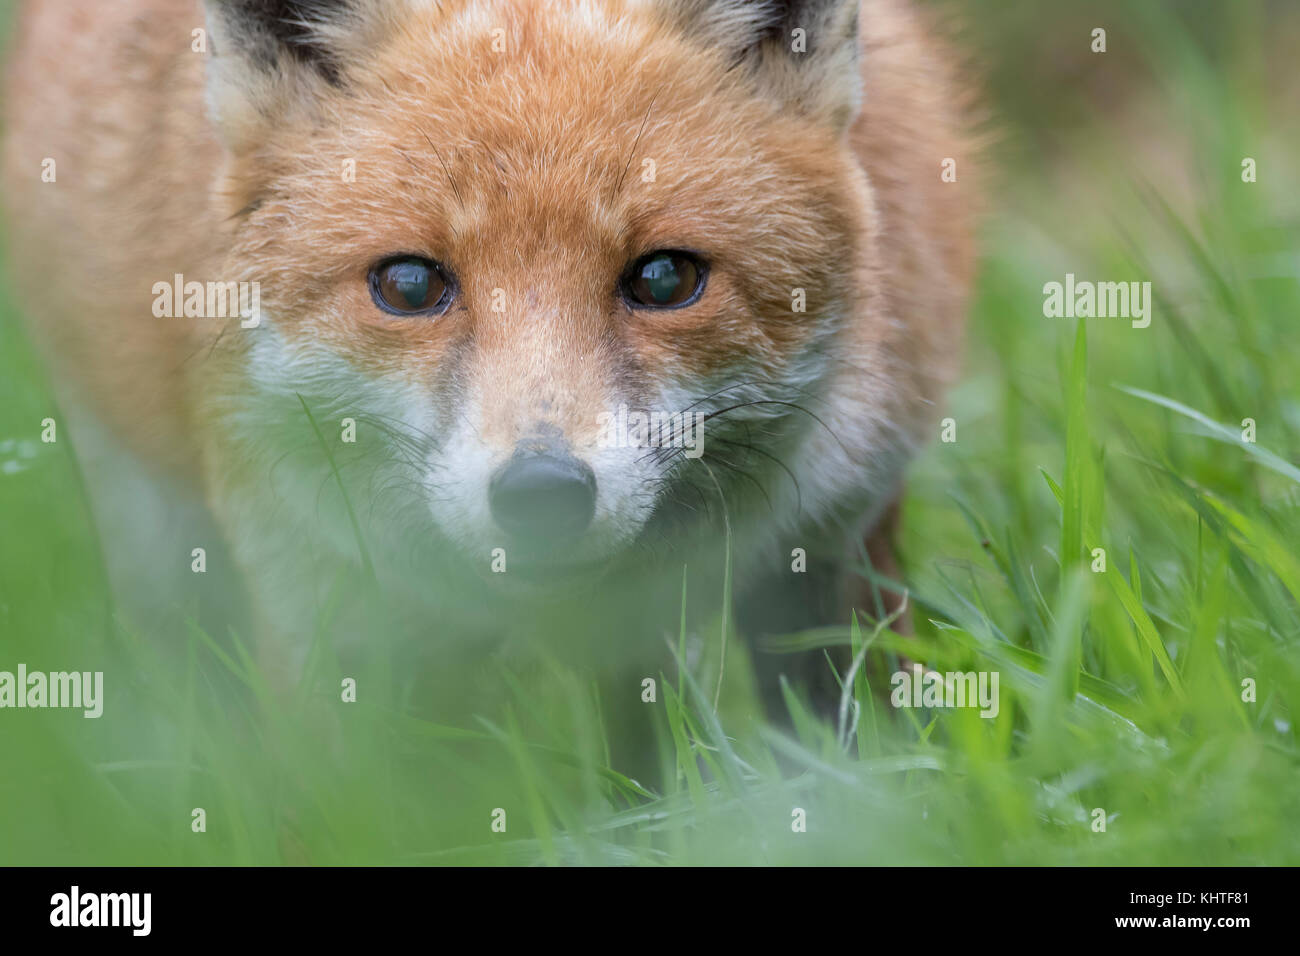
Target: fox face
[{"x": 580, "y": 266}]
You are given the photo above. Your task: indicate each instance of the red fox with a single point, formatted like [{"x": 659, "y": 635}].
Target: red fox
[{"x": 516, "y": 306}]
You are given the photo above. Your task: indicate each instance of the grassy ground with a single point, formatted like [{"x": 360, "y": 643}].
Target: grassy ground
[{"x": 1121, "y": 689}]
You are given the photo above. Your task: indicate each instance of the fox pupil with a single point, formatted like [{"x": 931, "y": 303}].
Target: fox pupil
[
  {"x": 661, "y": 278},
  {"x": 664, "y": 280},
  {"x": 407, "y": 286},
  {"x": 411, "y": 280}
]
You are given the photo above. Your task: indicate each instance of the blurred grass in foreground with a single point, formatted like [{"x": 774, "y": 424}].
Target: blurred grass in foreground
[{"x": 1121, "y": 690}]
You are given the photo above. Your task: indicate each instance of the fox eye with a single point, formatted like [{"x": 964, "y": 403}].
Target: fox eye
[
  {"x": 665, "y": 280},
  {"x": 410, "y": 286}
]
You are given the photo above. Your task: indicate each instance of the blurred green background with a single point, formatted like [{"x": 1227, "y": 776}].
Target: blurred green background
[{"x": 1122, "y": 689}]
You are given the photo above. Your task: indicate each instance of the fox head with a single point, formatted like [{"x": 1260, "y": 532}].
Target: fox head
[{"x": 552, "y": 250}]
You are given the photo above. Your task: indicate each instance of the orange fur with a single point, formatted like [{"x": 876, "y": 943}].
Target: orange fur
[{"x": 521, "y": 170}]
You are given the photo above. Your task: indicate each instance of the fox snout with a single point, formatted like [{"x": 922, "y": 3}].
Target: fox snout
[{"x": 544, "y": 494}]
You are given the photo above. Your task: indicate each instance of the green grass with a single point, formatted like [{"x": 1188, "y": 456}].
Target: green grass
[{"x": 1122, "y": 688}]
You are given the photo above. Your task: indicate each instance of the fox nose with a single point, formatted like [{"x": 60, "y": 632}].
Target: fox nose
[{"x": 543, "y": 496}]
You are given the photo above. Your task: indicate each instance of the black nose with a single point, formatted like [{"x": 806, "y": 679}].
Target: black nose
[{"x": 544, "y": 497}]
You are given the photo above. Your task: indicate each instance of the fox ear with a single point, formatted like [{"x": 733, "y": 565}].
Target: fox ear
[
  {"x": 800, "y": 52},
  {"x": 270, "y": 58}
]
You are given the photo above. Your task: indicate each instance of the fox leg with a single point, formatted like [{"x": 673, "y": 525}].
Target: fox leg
[
  {"x": 882, "y": 551},
  {"x": 824, "y": 594}
]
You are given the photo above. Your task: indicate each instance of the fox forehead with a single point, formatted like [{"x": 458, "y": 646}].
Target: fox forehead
[{"x": 581, "y": 120}]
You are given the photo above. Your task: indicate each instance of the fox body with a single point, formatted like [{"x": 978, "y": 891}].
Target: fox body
[{"x": 771, "y": 172}]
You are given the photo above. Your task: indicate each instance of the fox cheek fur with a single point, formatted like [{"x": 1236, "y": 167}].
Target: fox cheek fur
[{"x": 534, "y": 151}]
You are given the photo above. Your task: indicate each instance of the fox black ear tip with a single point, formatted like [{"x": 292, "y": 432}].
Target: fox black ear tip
[
  {"x": 273, "y": 33},
  {"x": 284, "y": 12}
]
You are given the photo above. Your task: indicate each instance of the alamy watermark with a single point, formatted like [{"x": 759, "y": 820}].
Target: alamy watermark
[
  {"x": 70, "y": 689},
  {"x": 654, "y": 429},
  {"x": 75, "y": 908},
  {"x": 922, "y": 688},
  {"x": 1100, "y": 300},
  {"x": 208, "y": 300}
]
